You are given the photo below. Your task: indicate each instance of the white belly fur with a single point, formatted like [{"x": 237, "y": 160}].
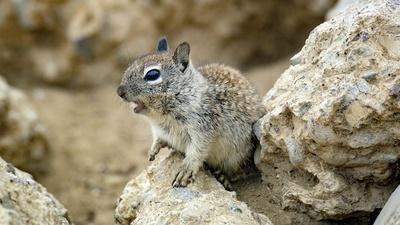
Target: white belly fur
[
  {"x": 222, "y": 153},
  {"x": 176, "y": 137}
]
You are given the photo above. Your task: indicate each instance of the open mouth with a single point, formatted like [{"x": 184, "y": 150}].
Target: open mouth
[{"x": 137, "y": 106}]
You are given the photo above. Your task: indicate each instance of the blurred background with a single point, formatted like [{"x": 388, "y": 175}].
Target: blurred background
[{"x": 68, "y": 56}]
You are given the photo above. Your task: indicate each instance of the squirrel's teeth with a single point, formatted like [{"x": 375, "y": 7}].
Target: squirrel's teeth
[
  {"x": 132, "y": 105},
  {"x": 136, "y": 106}
]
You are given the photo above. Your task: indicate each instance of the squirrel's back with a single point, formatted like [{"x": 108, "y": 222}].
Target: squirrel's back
[{"x": 232, "y": 88}]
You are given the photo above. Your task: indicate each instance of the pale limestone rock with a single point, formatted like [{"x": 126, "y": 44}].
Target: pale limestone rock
[
  {"x": 334, "y": 116},
  {"x": 390, "y": 214},
  {"x": 25, "y": 202},
  {"x": 151, "y": 199},
  {"x": 22, "y": 137}
]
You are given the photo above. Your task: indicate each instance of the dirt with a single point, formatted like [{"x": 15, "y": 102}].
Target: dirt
[{"x": 97, "y": 144}]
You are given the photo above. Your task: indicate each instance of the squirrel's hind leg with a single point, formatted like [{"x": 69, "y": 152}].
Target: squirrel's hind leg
[
  {"x": 220, "y": 176},
  {"x": 223, "y": 179}
]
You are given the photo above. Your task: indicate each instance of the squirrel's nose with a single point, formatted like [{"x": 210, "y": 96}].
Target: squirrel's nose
[{"x": 121, "y": 91}]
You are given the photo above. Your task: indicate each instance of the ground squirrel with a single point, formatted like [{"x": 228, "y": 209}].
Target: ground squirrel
[{"x": 207, "y": 113}]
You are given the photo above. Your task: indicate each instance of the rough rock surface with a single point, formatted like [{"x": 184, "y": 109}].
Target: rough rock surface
[
  {"x": 150, "y": 199},
  {"x": 24, "y": 201},
  {"x": 331, "y": 135},
  {"x": 390, "y": 214},
  {"x": 63, "y": 40},
  {"x": 22, "y": 137}
]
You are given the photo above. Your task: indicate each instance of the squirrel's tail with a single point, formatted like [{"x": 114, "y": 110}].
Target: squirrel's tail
[{"x": 251, "y": 167}]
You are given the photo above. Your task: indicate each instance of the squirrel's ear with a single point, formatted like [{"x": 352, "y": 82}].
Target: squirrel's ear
[
  {"x": 181, "y": 56},
  {"x": 162, "y": 44}
]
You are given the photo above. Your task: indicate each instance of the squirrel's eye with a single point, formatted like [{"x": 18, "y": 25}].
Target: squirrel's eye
[{"x": 152, "y": 75}]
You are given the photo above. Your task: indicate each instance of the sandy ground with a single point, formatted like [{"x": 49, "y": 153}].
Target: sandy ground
[{"x": 98, "y": 145}]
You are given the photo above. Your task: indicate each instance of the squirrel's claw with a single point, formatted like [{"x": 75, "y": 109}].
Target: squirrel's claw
[
  {"x": 152, "y": 157},
  {"x": 224, "y": 181},
  {"x": 184, "y": 177},
  {"x": 153, "y": 153}
]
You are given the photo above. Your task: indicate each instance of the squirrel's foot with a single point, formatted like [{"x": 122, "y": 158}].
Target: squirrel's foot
[
  {"x": 224, "y": 180},
  {"x": 155, "y": 149},
  {"x": 184, "y": 176},
  {"x": 152, "y": 156}
]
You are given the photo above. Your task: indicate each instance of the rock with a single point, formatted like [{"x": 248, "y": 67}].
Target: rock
[
  {"x": 150, "y": 199},
  {"x": 390, "y": 214},
  {"x": 24, "y": 201},
  {"x": 60, "y": 41},
  {"x": 22, "y": 137},
  {"x": 330, "y": 137}
]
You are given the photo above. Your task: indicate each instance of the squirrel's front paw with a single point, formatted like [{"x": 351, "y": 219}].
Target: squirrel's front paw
[
  {"x": 155, "y": 149},
  {"x": 152, "y": 156},
  {"x": 184, "y": 176}
]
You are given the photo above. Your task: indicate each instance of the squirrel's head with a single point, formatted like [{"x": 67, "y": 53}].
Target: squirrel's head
[{"x": 152, "y": 78}]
